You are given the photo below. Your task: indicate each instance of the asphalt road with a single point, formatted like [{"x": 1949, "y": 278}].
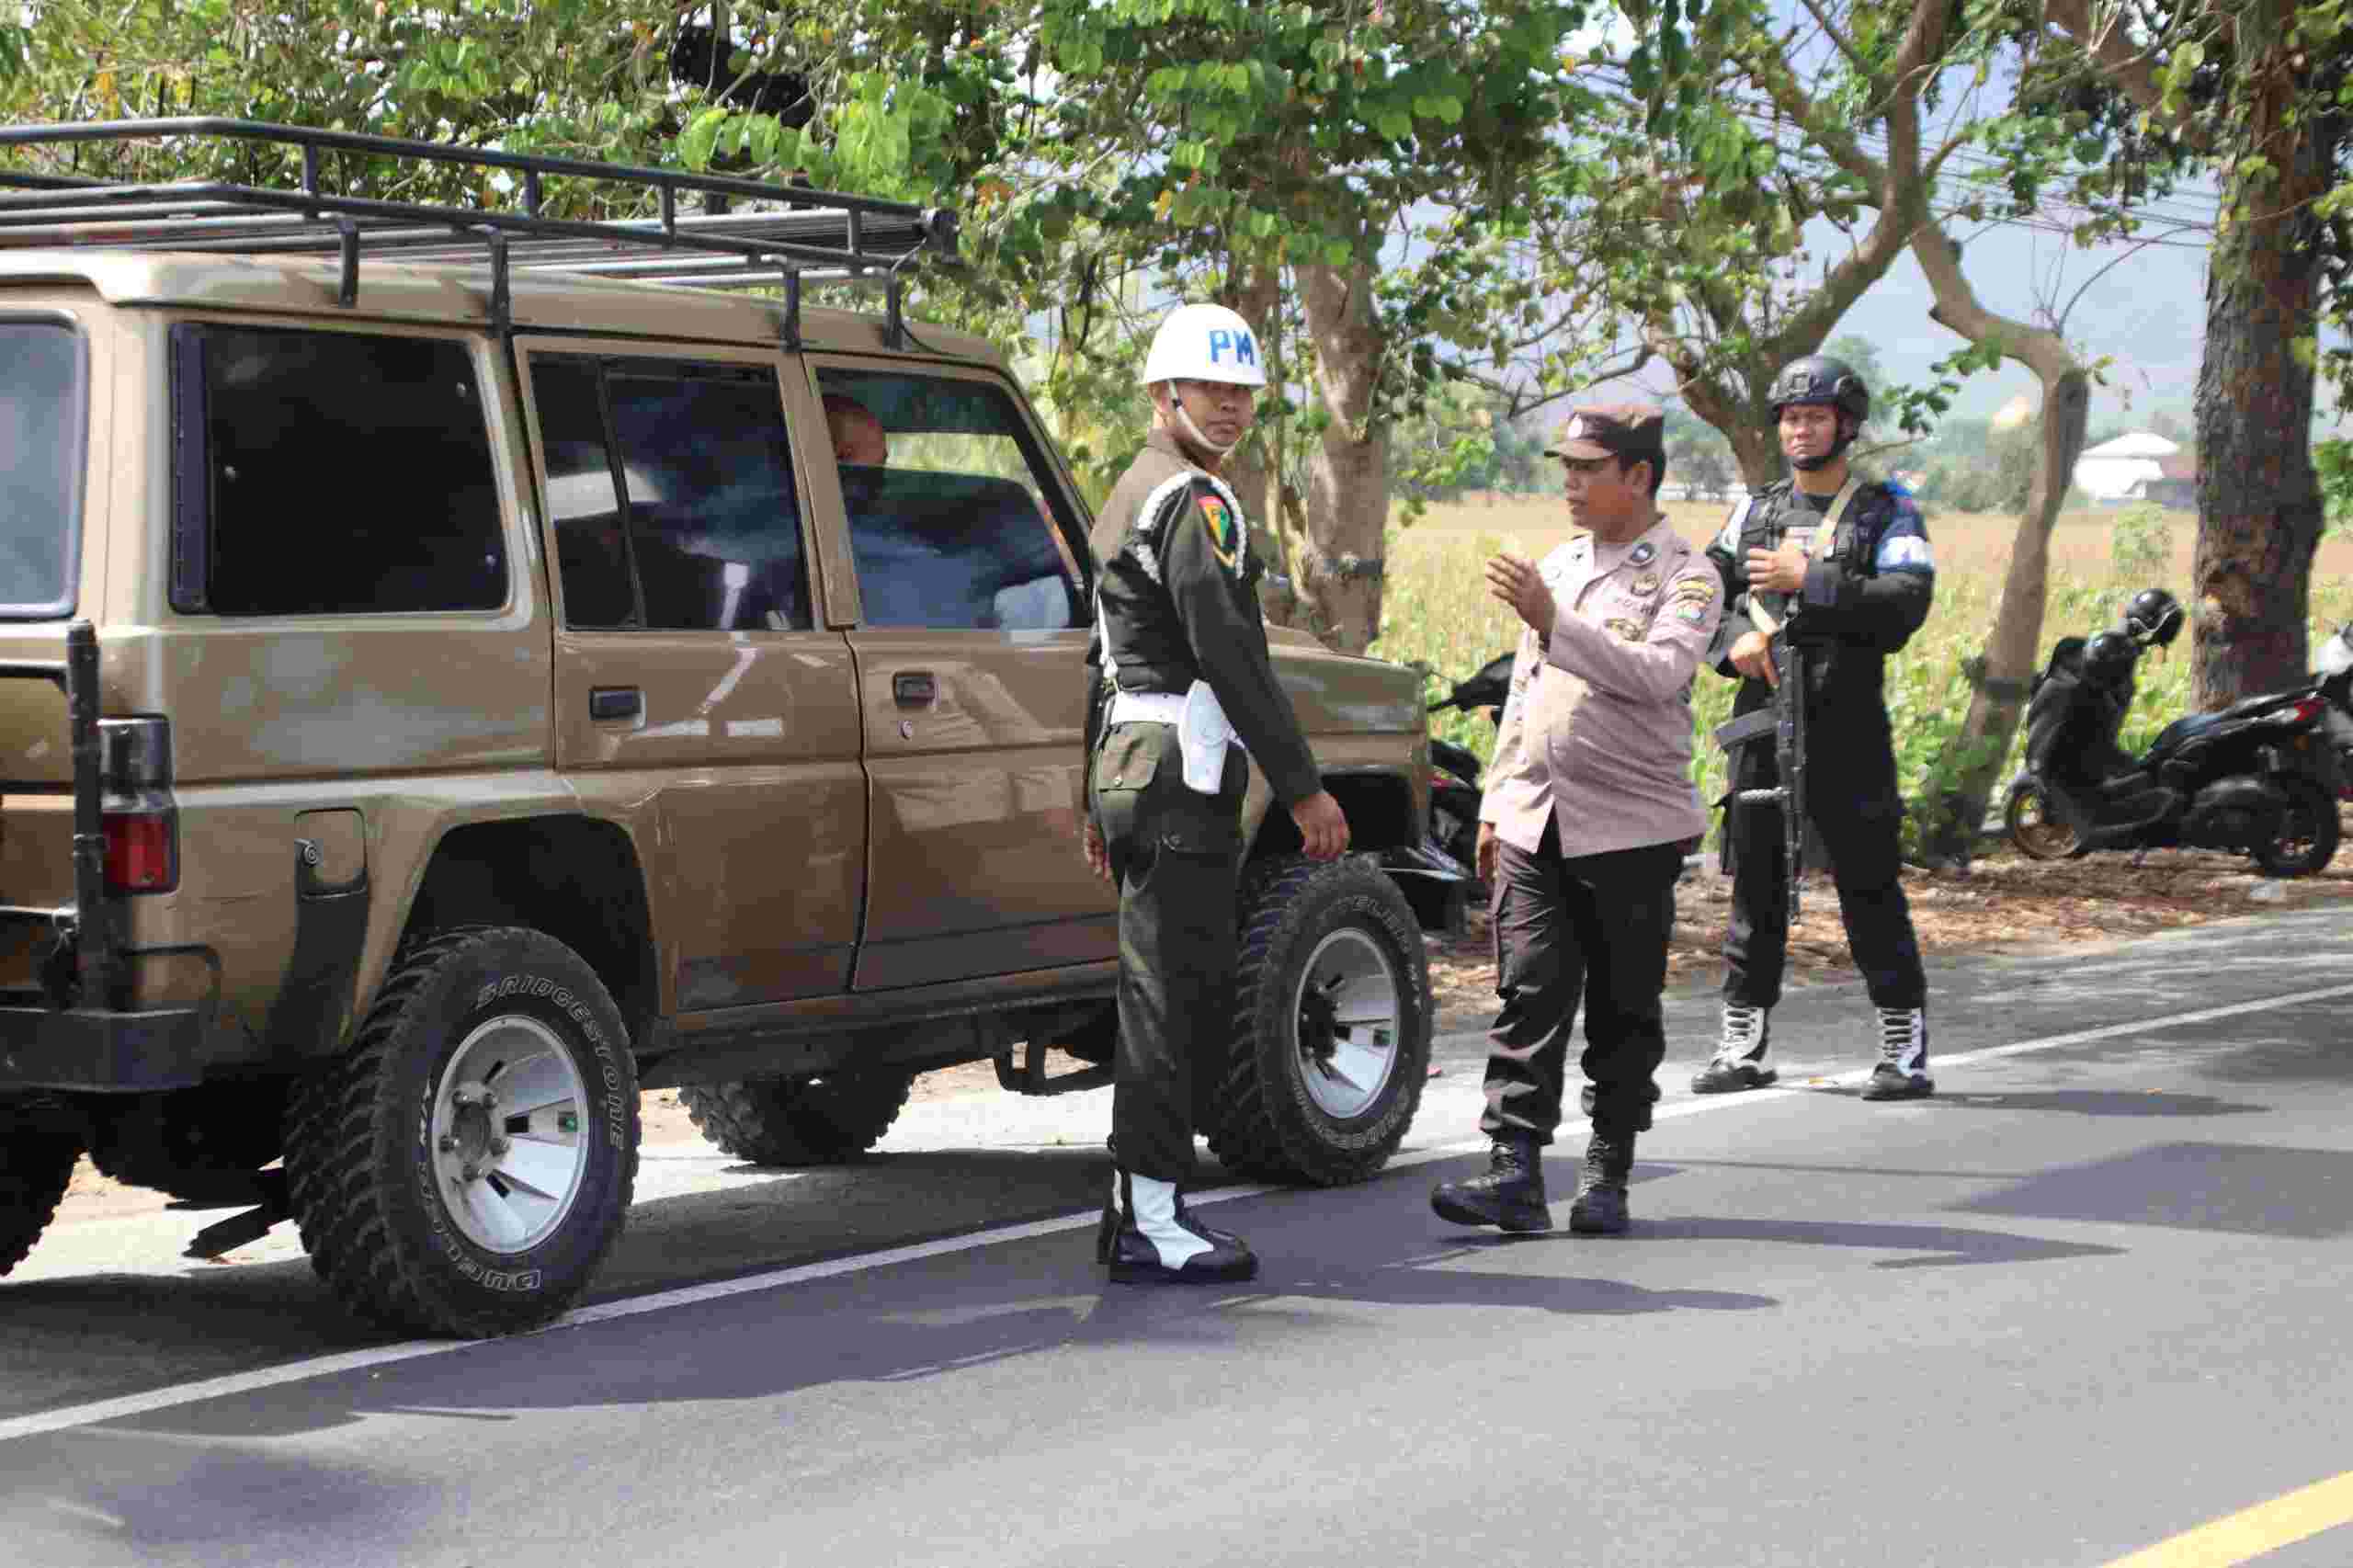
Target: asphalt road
[{"x": 2088, "y": 1299}]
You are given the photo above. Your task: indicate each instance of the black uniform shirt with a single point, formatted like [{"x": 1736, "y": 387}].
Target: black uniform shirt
[
  {"x": 1862, "y": 600},
  {"x": 1176, "y": 599}
]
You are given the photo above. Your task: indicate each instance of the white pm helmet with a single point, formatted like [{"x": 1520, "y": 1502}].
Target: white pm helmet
[{"x": 1204, "y": 343}]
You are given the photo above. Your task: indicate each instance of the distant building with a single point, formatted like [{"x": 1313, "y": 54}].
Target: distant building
[
  {"x": 2115, "y": 470},
  {"x": 2176, "y": 483}
]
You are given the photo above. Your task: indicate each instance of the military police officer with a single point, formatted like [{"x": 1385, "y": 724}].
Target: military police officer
[
  {"x": 1582, "y": 827},
  {"x": 1841, "y": 570},
  {"x": 1183, "y": 688}
]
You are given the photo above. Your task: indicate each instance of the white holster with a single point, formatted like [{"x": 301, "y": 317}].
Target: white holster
[{"x": 1203, "y": 732}]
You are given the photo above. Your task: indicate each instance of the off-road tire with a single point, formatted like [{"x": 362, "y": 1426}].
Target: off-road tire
[
  {"x": 1266, "y": 1122},
  {"x": 2309, "y": 832},
  {"x": 361, "y": 1170},
  {"x": 798, "y": 1121},
  {"x": 37, "y": 1157},
  {"x": 2030, "y": 821}
]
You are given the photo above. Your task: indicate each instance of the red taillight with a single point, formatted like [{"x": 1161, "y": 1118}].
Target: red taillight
[{"x": 142, "y": 851}]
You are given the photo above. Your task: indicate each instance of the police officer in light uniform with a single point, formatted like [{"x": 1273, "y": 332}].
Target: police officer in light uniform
[
  {"x": 1183, "y": 687},
  {"x": 1842, "y": 569},
  {"x": 1582, "y": 827}
]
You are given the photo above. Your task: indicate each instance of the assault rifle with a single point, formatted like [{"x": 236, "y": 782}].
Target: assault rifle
[{"x": 1786, "y": 720}]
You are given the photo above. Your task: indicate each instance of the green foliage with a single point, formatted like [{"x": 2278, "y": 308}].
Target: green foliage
[
  {"x": 2332, "y": 461},
  {"x": 2140, "y": 541}
]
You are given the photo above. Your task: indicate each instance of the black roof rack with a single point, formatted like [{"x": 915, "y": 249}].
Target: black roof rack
[{"x": 800, "y": 233}]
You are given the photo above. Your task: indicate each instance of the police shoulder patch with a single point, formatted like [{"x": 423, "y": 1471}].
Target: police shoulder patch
[
  {"x": 1219, "y": 520},
  {"x": 1692, "y": 614}
]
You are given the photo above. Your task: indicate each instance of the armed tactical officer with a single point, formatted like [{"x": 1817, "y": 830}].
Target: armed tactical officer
[
  {"x": 1582, "y": 826},
  {"x": 1184, "y": 686},
  {"x": 1842, "y": 570}
]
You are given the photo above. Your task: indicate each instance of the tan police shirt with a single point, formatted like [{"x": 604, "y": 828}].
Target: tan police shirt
[{"x": 1597, "y": 734}]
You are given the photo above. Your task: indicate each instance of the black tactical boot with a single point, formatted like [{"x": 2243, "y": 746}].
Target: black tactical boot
[
  {"x": 1148, "y": 1239},
  {"x": 1600, "y": 1206},
  {"x": 1510, "y": 1196}
]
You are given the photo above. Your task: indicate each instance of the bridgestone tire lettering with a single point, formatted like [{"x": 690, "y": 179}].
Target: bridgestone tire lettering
[{"x": 359, "y": 1164}]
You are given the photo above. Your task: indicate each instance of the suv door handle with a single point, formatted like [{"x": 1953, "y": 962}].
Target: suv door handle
[
  {"x": 614, "y": 702},
  {"x": 914, "y": 688}
]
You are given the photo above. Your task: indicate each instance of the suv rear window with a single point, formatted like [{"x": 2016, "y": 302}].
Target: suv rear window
[
  {"x": 40, "y": 481},
  {"x": 335, "y": 473}
]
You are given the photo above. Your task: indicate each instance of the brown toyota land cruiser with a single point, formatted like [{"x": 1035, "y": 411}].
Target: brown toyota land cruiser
[{"x": 448, "y": 685}]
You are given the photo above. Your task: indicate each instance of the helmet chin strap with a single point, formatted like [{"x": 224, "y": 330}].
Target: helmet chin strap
[{"x": 1192, "y": 432}]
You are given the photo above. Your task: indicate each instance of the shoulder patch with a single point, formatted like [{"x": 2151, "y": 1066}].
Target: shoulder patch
[
  {"x": 1903, "y": 552},
  {"x": 1220, "y": 522}
]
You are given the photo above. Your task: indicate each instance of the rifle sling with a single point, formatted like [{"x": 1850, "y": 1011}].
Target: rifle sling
[{"x": 1823, "y": 532}]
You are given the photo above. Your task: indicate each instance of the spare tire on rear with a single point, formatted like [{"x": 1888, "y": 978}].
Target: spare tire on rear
[{"x": 1331, "y": 1040}]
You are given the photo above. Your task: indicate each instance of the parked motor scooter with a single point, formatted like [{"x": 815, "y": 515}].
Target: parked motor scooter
[
  {"x": 2261, "y": 778},
  {"x": 1454, "y": 769}
]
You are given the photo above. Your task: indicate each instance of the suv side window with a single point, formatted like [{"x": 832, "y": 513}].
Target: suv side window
[
  {"x": 338, "y": 474},
  {"x": 960, "y": 524},
  {"x": 671, "y": 488}
]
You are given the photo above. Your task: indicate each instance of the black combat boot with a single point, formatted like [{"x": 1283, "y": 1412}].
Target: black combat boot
[
  {"x": 1600, "y": 1206},
  {"x": 1510, "y": 1196},
  {"x": 1147, "y": 1238}
]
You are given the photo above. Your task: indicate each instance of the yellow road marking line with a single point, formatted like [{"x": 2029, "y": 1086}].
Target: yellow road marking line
[{"x": 2251, "y": 1532}]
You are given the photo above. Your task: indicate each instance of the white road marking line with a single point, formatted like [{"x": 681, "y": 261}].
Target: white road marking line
[{"x": 154, "y": 1400}]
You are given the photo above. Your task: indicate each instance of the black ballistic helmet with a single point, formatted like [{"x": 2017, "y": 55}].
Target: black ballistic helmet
[
  {"x": 2109, "y": 657},
  {"x": 2154, "y": 618},
  {"x": 1818, "y": 378}
]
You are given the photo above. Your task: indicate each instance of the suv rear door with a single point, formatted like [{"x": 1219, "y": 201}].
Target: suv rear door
[
  {"x": 971, "y": 643},
  {"x": 688, "y": 666}
]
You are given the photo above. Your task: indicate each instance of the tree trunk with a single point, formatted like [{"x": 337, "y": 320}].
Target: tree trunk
[
  {"x": 1254, "y": 291},
  {"x": 1337, "y": 572},
  {"x": 2004, "y": 668},
  {"x": 2259, "y": 511},
  {"x": 2004, "y": 671}
]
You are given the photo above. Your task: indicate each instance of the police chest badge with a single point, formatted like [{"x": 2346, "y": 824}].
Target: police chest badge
[
  {"x": 1646, "y": 583},
  {"x": 1643, "y": 553},
  {"x": 1632, "y": 630},
  {"x": 1223, "y": 535}
]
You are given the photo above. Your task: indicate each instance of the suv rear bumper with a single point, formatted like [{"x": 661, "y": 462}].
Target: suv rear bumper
[{"x": 98, "y": 1052}]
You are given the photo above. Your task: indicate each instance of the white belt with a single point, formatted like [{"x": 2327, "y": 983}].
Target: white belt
[
  {"x": 1203, "y": 731},
  {"x": 1147, "y": 706}
]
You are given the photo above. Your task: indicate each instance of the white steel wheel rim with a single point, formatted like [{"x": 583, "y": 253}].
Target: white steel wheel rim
[
  {"x": 1347, "y": 1023},
  {"x": 509, "y": 1147}
]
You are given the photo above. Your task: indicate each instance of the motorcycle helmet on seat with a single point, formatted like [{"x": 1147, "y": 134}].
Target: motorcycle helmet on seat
[
  {"x": 2109, "y": 657},
  {"x": 2154, "y": 618}
]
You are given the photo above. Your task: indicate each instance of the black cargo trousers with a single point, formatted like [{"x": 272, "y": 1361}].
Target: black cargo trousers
[
  {"x": 1589, "y": 928},
  {"x": 1851, "y": 798},
  {"x": 1175, "y": 854}
]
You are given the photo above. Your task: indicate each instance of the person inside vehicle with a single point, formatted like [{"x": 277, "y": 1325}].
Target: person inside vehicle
[{"x": 858, "y": 435}]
